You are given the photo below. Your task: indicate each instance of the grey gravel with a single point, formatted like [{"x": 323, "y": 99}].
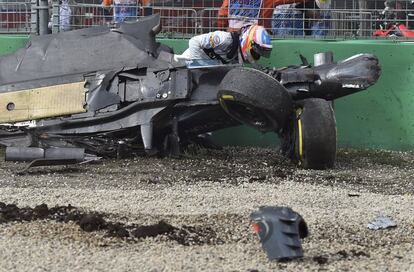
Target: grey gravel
[{"x": 217, "y": 189}]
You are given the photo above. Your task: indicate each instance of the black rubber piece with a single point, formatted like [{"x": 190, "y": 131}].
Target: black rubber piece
[
  {"x": 256, "y": 99},
  {"x": 280, "y": 230},
  {"x": 318, "y": 134}
]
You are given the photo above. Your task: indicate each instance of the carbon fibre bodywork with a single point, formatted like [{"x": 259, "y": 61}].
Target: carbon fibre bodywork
[
  {"x": 134, "y": 91},
  {"x": 127, "y": 92}
]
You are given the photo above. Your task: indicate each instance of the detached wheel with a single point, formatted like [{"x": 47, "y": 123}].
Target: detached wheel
[
  {"x": 311, "y": 139},
  {"x": 255, "y": 99}
]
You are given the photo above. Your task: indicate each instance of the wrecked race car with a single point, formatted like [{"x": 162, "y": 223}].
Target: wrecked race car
[{"x": 107, "y": 92}]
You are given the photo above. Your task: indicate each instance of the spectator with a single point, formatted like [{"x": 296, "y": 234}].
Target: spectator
[
  {"x": 299, "y": 19},
  {"x": 317, "y": 17},
  {"x": 125, "y": 10},
  {"x": 287, "y": 21},
  {"x": 233, "y": 14},
  {"x": 320, "y": 27},
  {"x": 65, "y": 14},
  {"x": 68, "y": 16}
]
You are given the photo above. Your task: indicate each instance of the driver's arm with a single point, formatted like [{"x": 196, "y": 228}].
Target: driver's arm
[{"x": 214, "y": 40}]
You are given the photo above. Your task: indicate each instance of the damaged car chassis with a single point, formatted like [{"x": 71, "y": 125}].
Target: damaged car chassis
[{"x": 108, "y": 92}]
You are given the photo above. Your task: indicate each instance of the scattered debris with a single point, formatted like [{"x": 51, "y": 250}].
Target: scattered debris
[
  {"x": 339, "y": 255},
  {"x": 91, "y": 222},
  {"x": 153, "y": 230},
  {"x": 280, "y": 230},
  {"x": 320, "y": 259},
  {"x": 343, "y": 254},
  {"x": 48, "y": 156},
  {"x": 382, "y": 222},
  {"x": 352, "y": 253},
  {"x": 359, "y": 253},
  {"x": 353, "y": 194}
]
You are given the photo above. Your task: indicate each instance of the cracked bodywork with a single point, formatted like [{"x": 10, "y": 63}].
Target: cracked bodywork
[
  {"x": 132, "y": 89},
  {"x": 128, "y": 93}
]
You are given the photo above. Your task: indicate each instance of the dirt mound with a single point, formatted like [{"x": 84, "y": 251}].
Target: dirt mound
[{"x": 93, "y": 221}]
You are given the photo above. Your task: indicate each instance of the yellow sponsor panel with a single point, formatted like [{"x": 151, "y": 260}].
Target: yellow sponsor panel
[{"x": 37, "y": 103}]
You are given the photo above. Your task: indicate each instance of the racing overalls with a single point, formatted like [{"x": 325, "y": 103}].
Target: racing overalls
[{"x": 220, "y": 45}]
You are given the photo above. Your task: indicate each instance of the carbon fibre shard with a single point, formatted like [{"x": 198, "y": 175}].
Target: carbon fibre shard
[{"x": 280, "y": 230}]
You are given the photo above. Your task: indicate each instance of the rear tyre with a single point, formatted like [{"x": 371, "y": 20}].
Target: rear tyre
[
  {"x": 255, "y": 99},
  {"x": 310, "y": 140}
]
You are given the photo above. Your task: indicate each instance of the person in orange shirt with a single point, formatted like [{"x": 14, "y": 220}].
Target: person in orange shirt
[
  {"x": 233, "y": 14},
  {"x": 125, "y": 10}
]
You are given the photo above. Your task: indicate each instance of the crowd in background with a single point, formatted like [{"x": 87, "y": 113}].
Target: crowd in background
[{"x": 279, "y": 17}]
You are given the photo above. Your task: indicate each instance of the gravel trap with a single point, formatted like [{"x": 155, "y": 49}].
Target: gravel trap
[{"x": 93, "y": 221}]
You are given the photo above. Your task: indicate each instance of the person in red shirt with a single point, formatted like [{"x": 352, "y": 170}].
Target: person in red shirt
[{"x": 234, "y": 13}]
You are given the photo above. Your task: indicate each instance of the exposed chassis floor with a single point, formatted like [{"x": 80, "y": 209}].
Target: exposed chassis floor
[{"x": 215, "y": 189}]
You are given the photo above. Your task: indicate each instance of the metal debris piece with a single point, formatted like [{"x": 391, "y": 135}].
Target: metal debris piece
[
  {"x": 382, "y": 222},
  {"x": 353, "y": 194},
  {"x": 37, "y": 153},
  {"x": 280, "y": 230},
  {"x": 48, "y": 156}
]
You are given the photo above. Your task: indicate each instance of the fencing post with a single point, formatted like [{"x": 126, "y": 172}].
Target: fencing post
[
  {"x": 55, "y": 16},
  {"x": 43, "y": 17},
  {"x": 363, "y": 23},
  {"x": 34, "y": 18}
]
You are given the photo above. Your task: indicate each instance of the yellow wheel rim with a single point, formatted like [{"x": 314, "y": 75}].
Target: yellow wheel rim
[{"x": 300, "y": 134}]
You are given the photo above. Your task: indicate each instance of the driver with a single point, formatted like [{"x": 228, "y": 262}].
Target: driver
[{"x": 247, "y": 45}]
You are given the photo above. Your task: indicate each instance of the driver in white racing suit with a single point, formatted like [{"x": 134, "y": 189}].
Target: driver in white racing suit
[{"x": 252, "y": 42}]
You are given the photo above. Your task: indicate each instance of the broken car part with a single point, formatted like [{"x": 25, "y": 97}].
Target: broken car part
[
  {"x": 139, "y": 100},
  {"x": 36, "y": 153},
  {"x": 382, "y": 222},
  {"x": 280, "y": 230},
  {"x": 48, "y": 156}
]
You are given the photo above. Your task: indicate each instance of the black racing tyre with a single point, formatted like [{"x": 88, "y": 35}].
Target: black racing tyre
[
  {"x": 255, "y": 98},
  {"x": 311, "y": 139}
]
